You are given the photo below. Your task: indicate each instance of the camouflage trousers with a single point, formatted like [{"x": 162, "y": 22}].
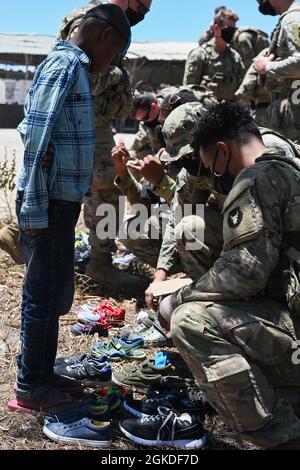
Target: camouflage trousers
[
  {"x": 194, "y": 262},
  {"x": 144, "y": 247},
  {"x": 241, "y": 355},
  {"x": 103, "y": 192},
  {"x": 284, "y": 116},
  {"x": 197, "y": 256}
]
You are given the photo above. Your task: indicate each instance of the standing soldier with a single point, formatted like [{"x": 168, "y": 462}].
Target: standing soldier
[
  {"x": 215, "y": 65},
  {"x": 280, "y": 69},
  {"x": 254, "y": 93},
  {"x": 112, "y": 100},
  {"x": 249, "y": 42},
  {"x": 209, "y": 34}
]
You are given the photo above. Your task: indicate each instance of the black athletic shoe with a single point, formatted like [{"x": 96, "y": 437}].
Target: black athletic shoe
[
  {"x": 168, "y": 429},
  {"x": 144, "y": 408},
  {"x": 181, "y": 389}
]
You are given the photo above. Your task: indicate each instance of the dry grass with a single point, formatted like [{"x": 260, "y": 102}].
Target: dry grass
[{"x": 24, "y": 432}]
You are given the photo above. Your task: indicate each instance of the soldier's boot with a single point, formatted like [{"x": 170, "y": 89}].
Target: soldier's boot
[
  {"x": 113, "y": 280},
  {"x": 9, "y": 242}
]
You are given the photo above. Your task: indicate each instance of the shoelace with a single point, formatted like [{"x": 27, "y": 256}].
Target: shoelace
[
  {"x": 171, "y": 415},
  {"x": 167, "y": 417},
  {"x": 150, "y": 419},
  {"x": 194, "y": 393}
]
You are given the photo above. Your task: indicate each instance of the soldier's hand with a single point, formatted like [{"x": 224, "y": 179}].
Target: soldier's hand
[
  {"x": 46, "y": 161},
  {"x": 120, "y": 157},
  {"x": 260, "y": 63},
  {"x": 150, "y": 168},
  {"x": 151, "y": 301}
]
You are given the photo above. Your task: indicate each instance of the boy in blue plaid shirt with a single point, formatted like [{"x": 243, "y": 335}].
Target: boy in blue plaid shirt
[{"x": 58, "y": 115}]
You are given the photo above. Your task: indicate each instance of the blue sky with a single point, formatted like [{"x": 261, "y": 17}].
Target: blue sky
[{"x": 179, "y": 20}]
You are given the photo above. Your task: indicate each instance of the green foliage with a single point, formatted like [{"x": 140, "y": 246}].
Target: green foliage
[{"x": 8, "y": 173}]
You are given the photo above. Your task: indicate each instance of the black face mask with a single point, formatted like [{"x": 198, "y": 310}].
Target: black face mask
[
  {"x": 267, "y": 9},
  {"x": 134, "y": 17},
  {"x": 222, "y": 183},
  {"x": 228, "y": 33}
]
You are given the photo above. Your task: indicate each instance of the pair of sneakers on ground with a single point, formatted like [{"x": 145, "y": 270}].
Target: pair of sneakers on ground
[{"x": 172, "y": 417}]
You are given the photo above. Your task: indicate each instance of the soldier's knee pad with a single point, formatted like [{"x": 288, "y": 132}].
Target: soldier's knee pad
[{"x": 189, "y": 234}]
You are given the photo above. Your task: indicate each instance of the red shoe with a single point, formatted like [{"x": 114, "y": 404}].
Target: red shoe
[
  {"x": 111, "y": 317},
  {"x": 53, "y": 401}
]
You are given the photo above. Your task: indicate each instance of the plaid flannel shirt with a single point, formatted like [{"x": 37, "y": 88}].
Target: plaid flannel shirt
[{"x": 58, "y": 110}]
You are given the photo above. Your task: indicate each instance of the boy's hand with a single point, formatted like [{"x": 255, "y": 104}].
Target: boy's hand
[
  {"x": 46, "y": 161},
  {"x": 120, "y": 157}
]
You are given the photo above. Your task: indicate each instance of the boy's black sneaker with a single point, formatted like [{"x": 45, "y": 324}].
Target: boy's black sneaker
[{"x": 167, "y": 429}]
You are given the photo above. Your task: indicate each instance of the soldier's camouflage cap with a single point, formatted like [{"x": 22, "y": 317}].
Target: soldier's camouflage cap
[{"x": 178, "y": 131}]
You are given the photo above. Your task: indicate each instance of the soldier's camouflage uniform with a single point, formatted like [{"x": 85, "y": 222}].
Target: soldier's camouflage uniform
[
  {"x": 249, "y": 42},
  {"x": 253, "y": 92},
  {"x": 191, "y": 190},
  {"x": 148, "y": 140},
  {"x": 233, "y": 326},
  {"x": 221, "y": 73},
  {"x": 139, "y": 192},
  {"x": 282, "y": 75},
  {"x": 177, "y": 133},
  {"x": 112, "y": 99}
]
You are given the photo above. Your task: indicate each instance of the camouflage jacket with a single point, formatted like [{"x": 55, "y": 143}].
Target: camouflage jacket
[
  {"x": 249, "y": 42},
  {"x": 221, "y": 73},
  {"x": 112, "y": 88},
  {"x": 189, "y": 190},
  {"x": 134, "y": 190},
  {"x": 285, "y": 69},
  {"x": 252, "y": 88},
  {"x": 261, "y": 228},
  {"x": 198, "y": 191},
  {"x": 148, "y": 141}
]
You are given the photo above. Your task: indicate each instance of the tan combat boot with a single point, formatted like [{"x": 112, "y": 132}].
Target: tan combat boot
[{"x": 9, "y": 242}]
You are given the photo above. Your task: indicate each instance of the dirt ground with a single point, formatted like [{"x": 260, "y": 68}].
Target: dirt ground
[{"x": 24, "y": 432}]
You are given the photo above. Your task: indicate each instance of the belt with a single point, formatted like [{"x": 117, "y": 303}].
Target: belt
[{"x": 262, "y": 105}]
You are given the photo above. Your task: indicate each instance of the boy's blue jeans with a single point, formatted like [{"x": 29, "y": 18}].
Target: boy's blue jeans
[{"x": 48, "y": 293}]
